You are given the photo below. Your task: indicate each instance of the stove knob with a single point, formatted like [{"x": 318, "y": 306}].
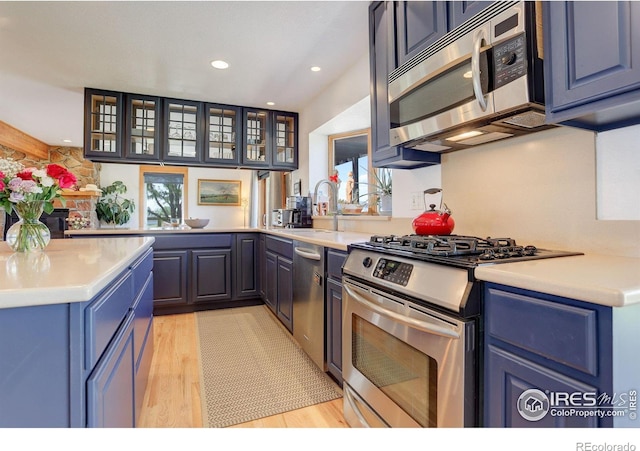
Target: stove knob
[
  {"x": 367, "y": 262},
  {"x": 530, "y": 250}
]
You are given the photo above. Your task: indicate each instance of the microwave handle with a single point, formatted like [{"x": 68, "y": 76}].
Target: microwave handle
[{"x": 475, "y": 69}]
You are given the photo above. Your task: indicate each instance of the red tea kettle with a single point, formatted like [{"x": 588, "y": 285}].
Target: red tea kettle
[{"x": 434, "y": 222}]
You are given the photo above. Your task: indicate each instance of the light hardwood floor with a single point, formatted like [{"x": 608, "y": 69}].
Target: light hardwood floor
[{"x": 172, "y": 399}]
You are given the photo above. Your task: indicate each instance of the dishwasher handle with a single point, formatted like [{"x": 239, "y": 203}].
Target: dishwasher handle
[{"x": 305, "y": 253}]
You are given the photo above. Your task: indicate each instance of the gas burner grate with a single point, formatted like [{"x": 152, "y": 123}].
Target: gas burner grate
[{"x": 451, "y": 245}]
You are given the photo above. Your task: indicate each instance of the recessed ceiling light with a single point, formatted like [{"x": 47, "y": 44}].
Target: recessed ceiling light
[
  {"x": 316, "y": 69},
  {"x": 219, "y": 64},
  {"x": 271, "y": 103}
]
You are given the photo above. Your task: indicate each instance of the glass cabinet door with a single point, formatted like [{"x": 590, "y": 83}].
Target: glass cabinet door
[
  {"x": 222, "y": 135},
  {"x": 183, "y": 135},
  {"x": 285, "y": 139},
  {"x": 103, "y": 116},
  {"x": 255, "y": 138},
  {"x": 142, "y": 127}
]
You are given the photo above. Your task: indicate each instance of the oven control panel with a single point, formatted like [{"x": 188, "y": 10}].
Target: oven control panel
[{"x": 393, "y": 271}]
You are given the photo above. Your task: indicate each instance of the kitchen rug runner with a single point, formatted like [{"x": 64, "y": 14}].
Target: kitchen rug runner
[{"x": 252, "y": 368}]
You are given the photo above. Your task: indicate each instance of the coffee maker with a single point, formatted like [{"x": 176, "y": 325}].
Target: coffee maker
[{"x": 301, "y": 211}]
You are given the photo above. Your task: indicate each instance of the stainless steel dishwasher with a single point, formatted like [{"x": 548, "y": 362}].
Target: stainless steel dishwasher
[{"x": 308, "y": 300}]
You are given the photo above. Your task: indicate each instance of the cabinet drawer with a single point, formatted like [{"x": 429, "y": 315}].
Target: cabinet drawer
[
  {"x": 335, "y": 260},
  {"x": 143, "y": 315},
  {"x": 562, "y": 333},
  {"x": 280, "y": 246},
  {"x": 140, "y": 270},
  {"x": 190, "y": 241},
  {"x": 104, "y": 315}
]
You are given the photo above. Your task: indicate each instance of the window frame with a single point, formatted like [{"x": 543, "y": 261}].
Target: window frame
[{"x": 145, "y": 169}]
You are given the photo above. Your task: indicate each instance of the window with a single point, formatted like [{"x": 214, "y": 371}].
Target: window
[{"x": 163, "y": 194}]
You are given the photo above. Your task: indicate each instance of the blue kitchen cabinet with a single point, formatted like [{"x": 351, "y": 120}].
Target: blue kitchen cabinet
[
  {"x": 142, "y": 128},
  {"x": 210, "y": 275},
  {"x": 256, "y": 135},
  {"x": 270, "y": 285},
  {"x": 199, "y": 271},
  {"x": 170, "y": 281},
  {"x": 460, "y": 11},
  {"x": 284, "y": 140},
  {"x": 279, "y": 278},
  {"x": 134, "y": 128},
  {"x": 103, "y": 124},
  {"x": 208, "y": 270},
  {"x": 262, "y": 268},
  {"x": 418, "y": 25},
  {"x": 110, "y": 389},
  {"x": 183, "y": 137},
  {"x": 269, "y": 139},
  {"x": 547, "y": 343},
  {"x": 82, "y": 364},
  {"x": 285, "y": 292},
  {"x": 382, "y": 58},
  {"x": 246, "y": 280},
  {"x": 223, "y": 135},
  {"x": 592, "y": 63},
  {"x": 335, "y": 260}
]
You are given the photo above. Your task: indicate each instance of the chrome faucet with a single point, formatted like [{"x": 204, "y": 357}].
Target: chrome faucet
[{"x": 333, "y": 200}]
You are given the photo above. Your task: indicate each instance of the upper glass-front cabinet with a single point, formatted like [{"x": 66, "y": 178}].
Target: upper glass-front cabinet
[
  {"x": 255, "y": 138},
  {"x": 142, "y": 127},
  {"x": 131, "y": 128},
  {"x": 183, "y": 131},
  {"x": 221, "y": 135},
  {"x": 285, "y": 145},
  {"x": 102, "y": 123}
]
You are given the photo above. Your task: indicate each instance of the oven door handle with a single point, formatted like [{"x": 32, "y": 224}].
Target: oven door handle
[{"x": 411, "y": 322}]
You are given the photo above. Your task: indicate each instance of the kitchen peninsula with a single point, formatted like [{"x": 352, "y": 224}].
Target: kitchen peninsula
[{"x": 75, "y": 328}]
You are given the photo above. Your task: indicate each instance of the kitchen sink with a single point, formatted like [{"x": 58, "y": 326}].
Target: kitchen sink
[{"x": 305, "y": 231}]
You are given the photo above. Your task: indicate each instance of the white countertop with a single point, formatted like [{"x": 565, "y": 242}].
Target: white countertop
[
  {"x": 321, "y": 237},
  {"x": 327, "y": 238},
  {"x": 599, "y": 279},
  {"x": 67, "y": 271}
]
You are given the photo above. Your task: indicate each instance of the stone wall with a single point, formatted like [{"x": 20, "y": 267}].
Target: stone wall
[{"x": 71, "y": 158}]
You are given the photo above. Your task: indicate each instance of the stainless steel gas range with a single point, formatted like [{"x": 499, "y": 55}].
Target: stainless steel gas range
[{"x": 412, "y": 328}]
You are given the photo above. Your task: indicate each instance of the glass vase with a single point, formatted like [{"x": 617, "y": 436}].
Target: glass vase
[{"x": 28, "y": 234}]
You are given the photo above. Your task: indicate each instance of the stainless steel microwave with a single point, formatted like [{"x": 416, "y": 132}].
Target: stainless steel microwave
[{"x": 481, "y": 82}]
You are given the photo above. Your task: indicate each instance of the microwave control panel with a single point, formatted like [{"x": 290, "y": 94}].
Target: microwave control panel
[{"x": 510, "y": 60}]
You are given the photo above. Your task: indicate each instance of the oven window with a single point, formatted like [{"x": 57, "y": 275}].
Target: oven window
[{"x": 406, "y": 375}]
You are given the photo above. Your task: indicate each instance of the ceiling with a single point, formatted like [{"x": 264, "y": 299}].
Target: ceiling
[{"x": 51, "y": 51}]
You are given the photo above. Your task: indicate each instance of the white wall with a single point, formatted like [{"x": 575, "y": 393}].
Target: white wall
[
  {"x": 220, "y": 217},
  {"x": 618, "y": 174},
  {"x": 328, "y": 106},
  {"x": 539, "y": 189}
]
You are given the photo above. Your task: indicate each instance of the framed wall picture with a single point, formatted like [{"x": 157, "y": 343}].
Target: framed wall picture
[{"x": 219, "y": 192}]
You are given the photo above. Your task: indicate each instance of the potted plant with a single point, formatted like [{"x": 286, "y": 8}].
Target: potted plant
[
  {"x": 381, "y": 189},
  {"x": 112, "y": 208}
]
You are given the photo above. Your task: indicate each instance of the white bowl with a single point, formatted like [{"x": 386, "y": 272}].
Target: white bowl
[{"x": 196, "y": 223}]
